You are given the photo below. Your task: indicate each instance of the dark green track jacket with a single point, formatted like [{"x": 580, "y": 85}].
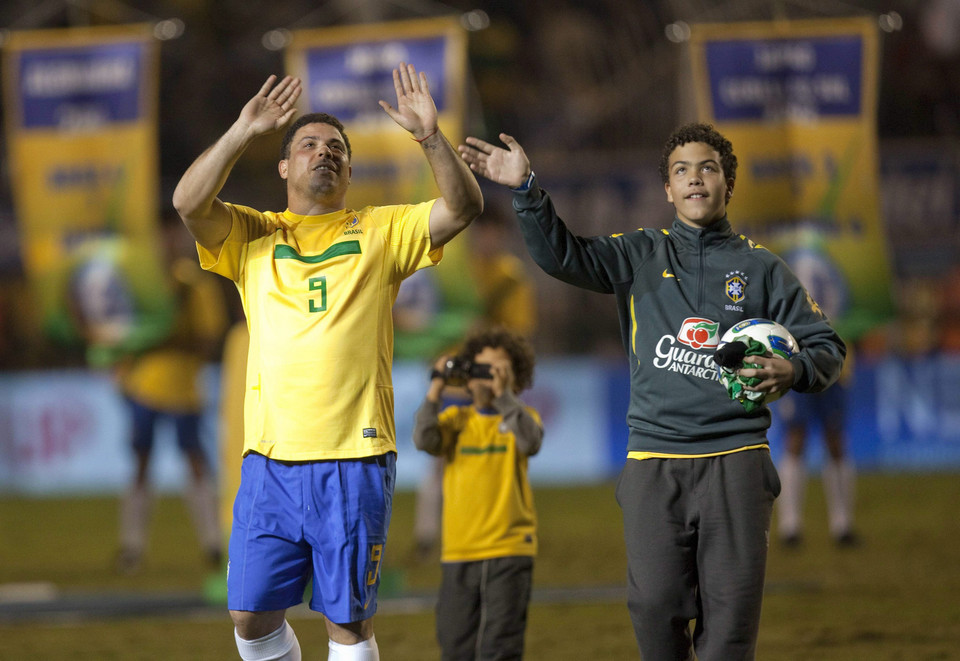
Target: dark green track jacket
[{"x": 677, "y": 292}]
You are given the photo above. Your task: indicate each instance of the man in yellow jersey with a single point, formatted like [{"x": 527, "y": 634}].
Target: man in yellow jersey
[
  {"x": 317, "y": 284},
  {"x": 489, "y": 536}
]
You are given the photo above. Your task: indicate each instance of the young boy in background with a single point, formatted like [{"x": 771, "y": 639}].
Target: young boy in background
[{"x": 488, "y": 538}]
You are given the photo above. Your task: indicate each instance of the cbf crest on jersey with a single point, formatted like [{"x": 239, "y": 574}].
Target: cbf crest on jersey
[
  {"x": 352, "y": 226},
  {"x": 735, "y": 286}
]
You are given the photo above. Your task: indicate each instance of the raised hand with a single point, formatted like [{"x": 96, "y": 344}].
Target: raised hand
[
  {"x": 504, "y": 166},
  {"x": 438, "y": 383},
  {"x": 273, "y": 106},
  {"x": 503, "y": 379},
  {"x": 415, "y": 111}
]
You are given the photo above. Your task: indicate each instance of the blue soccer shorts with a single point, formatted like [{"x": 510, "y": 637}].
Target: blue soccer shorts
[
  {"x": 144, "y": 420},
  {"x": 812, "y": 409},
  {"x": 325, "y": 520}
]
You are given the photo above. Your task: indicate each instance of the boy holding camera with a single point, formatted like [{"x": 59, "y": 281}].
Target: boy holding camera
[{"x": 488, "y": 538}]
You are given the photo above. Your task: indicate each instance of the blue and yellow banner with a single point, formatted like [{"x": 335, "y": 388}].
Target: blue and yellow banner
[
  {"x": 81, "y": 125},
  {"x": 345, "y": 72},
  {"x": 798, "y": 101}
]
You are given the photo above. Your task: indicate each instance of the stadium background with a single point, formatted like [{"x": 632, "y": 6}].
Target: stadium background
[
  {"x": 590, "y": 92},
  {"x": 556, "y": 80}
]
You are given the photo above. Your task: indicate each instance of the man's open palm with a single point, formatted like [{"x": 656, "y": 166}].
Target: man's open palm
[
  {"x": 273, "y": 106},
  {"x": 415, "y": 110},
  {"x": 504, "y": 166}
]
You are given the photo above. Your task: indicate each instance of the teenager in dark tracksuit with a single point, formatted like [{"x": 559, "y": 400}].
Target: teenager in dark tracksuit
[{"x": 698, "y": 486}]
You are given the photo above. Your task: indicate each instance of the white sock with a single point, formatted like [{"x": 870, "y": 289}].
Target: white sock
[
  {"x": 793, "y": 487},
  {"x": 281, "y": 645},
  {"x": 201, "y": 497},
  {"x": 366, "y": 650},
  {"x": 135, "y": 518},
  {"x": 839, "y": 479}
]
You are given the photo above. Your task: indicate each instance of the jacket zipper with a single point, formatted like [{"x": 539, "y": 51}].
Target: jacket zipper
[{"x": 700, "y": 277}]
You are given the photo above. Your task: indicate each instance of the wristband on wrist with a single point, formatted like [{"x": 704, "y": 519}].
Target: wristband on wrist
[
  {"x": 435, "y": 374},
  {"x": 526, "y": 185},
  {"x": 429, "y": 135}
]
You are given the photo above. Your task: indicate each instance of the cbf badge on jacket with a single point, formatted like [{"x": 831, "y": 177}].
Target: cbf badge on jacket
[{"x": 735, "y": 287}]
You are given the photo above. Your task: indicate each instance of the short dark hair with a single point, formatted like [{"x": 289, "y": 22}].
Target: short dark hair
[
  {"x": 313, "y": 118},
  {"x": 516, "y": 346},
  {"x": 699, "y": 132}
]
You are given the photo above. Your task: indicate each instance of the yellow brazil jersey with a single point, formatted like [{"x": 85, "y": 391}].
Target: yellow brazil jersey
[
  {"x": 317, "y": 292},
  {"x": 507, "y": 293},
  {"x": 166, "y": 377},
  {"x": 488, "y": 507}
]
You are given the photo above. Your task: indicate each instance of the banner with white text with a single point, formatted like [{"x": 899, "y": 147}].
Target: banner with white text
[
  {"x": 798, "y": 101},
  {"x": 81, "y": 125}
]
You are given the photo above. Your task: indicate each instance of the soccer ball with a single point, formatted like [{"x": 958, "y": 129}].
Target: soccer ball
[
  {"x": 774, "y": 338},
  {"x": 777, "y": 339}
]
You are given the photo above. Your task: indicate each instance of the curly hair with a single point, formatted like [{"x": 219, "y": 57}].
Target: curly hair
[
  {"x": 313, "y": 118},
  {"x": 699, "y": 133},
  {"x": 516, "y": 346}
]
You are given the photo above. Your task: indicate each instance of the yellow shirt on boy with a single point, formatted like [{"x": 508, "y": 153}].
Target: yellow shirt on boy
[
  {"x": 488, "y": 509},
  {"x": 318, "y": 292}
]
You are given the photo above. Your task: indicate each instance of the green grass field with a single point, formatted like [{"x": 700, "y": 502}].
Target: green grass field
[{"x": 893, "y": 598}]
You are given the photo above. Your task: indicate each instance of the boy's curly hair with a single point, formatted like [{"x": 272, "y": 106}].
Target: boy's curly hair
[
  {"x": 699, "y": 132},
  {"x": 516, "y": 346}
]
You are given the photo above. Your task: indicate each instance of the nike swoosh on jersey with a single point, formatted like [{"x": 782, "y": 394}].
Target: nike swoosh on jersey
[{"x": 668, "y": 275}]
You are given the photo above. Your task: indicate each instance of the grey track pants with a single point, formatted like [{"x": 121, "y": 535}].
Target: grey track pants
[
  {"x": 696, "y": 533},
  {"x": 482, "y": 609}
]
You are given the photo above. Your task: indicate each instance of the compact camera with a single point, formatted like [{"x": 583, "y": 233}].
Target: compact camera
[{"x": 457, "y": 371}]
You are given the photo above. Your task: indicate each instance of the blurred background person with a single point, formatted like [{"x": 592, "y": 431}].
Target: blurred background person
[
  {"x": 164, "y": 384},
  {"x": 947, "y": 318},
  {"x": 507, "y": 293},
  {"x": 425, "y": 325},
  {"x": 802, "y": 413},
  {"x": 495, "y": 290},
  {"x": 233, "y": 378}
]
